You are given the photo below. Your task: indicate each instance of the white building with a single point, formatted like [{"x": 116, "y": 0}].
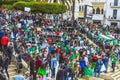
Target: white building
[
  {"x": 98, "y": 11},
  {"x": 112, "y": 16},
  {"x": 80, "y": 8}
]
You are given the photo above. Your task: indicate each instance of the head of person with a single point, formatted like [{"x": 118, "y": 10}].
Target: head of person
[
  {"x": 19, "y": 71},
  {"x": 5, "y": 54}
]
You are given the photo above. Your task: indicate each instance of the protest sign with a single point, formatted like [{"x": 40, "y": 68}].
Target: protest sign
[{"x": 27, "y": 9}]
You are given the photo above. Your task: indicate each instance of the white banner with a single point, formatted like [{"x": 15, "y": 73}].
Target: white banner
[{"x": 27, "y": 9}]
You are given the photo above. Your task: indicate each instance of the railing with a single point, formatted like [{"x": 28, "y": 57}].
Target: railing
[{"x": 115, "y": 19}]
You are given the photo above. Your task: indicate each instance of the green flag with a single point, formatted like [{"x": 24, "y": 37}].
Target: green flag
[
  {"x": 41, "y": 71},
  {"x": 88, "y": 71}
]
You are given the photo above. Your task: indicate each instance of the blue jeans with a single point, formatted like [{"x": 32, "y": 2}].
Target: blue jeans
[
  {"x": 97, "y": 71},
  {"x": 6, "y": 70},
  {"x": 57, "y": 56},
  {"x": 106, "y": 66},
  {"x": 53, "y": 73}
]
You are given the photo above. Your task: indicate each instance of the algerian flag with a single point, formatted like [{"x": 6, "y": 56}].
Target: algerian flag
[{"x": 88, "y": 71}]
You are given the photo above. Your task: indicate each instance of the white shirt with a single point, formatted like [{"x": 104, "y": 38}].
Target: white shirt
[
  {"x": 86, "y": 60},
  {"x": 19, "y": 25}
]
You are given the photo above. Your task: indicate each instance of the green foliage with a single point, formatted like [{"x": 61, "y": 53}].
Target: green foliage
[
  {"x": 43, "y": 7},
  {"x": 7, "y": 6},
  {"x": 27, "y": 0},
  {"x": 7, "y": 2}
]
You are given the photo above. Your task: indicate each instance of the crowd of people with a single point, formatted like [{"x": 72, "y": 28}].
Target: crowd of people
[{"x": 53, "y": 47}]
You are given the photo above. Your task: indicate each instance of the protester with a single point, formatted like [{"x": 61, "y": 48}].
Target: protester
[
  {"x": 114, "y": 60},
  {"x": 32, "y": 67},
  {"x": 2, "y": 76},
  {"x": 45, "y": 44},
  {"x": 60, "y": 74},
  {"x": 6, "y": 64},
  {"x": 4, "y": 42},
  {"x": 82, "y": 66},
  {"x": 19, "y": 76},
  {"x": 53, "y": 66},
  {"x": 105, "y": 61},
  {"x": 97, "y": 69}
]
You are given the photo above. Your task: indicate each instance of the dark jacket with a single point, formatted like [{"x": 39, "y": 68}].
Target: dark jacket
[
  {"x": 5, "y": 62},
  {"x": 1, "y": 61},
  {"x": 60, "y": 75},
  {"x": 32, "y": 63}
]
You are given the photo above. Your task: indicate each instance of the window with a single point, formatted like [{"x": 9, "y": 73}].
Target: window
[
  {"x": 82, "y": 1},
  {"x": 97, "y": 11},
  {"x": 102, "y": 11},
  {"x": 80, "y": 8},
  {"x": 93, "y": 11},
  {"x": 115, "y": 2},
  {"x": 115, "y": 13}
]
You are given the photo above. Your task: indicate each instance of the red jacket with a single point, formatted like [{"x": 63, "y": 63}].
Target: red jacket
[
  {"x": 57, "y": 33},
  {"x": 58, "y": 50},
  {"x": 4, "y": 40},
  {"x": 38, "y": 63}
]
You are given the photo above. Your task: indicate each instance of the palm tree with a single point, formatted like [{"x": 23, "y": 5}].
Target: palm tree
[{"x": 71, "y": 6}]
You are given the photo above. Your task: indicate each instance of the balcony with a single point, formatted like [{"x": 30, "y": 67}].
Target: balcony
[
  {"x": 113, "y": 19},
  {"x": 114, "y": 6}
]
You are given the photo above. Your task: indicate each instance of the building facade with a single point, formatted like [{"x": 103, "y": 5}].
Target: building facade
[
  {"x": 112, "y": 16},
  {"x": 98, "y": 11},
  {"x": 81, "y": 9}
]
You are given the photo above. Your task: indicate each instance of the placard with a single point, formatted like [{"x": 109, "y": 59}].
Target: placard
[
  {"x": 27, "y": 9},
  {"x": 38, "y": 29}
]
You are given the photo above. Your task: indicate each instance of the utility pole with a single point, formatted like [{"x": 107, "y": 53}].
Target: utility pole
[
  {"x": 62, "y": 8},
  {"x": 73, "y": 10}
]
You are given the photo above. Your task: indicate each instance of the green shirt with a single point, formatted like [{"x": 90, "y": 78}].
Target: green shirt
[
  {"x": 74, "y": 49},
  {"x": 114, "y": 60}
]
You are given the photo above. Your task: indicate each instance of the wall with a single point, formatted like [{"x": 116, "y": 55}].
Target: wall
[
  {"x": 98, "y": 17},
  {"x": 109, "y": 11}
]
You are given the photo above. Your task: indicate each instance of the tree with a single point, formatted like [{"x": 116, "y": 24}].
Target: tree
[
  {"x": 43, "y": 7},
  {"x": 70, "y": 5}
]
